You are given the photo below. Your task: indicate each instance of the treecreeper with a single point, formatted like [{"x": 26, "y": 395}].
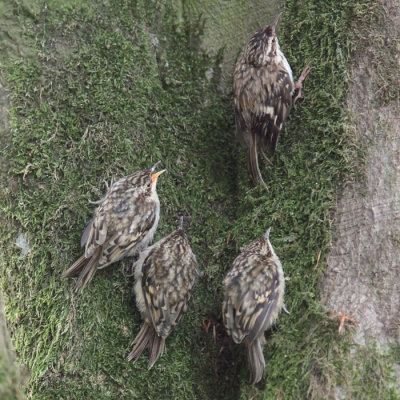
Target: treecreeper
[
  {"x": 263, "y": 89},
  {"x": 253, "y": 298},
  {"x": 123, "y": 224}
]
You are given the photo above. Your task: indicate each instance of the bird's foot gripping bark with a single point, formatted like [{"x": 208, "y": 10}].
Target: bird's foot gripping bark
[
  {"x": 210, "y": 323},
  {"x": 299, "y": 84},
  {"x": 343, "y": 317}
]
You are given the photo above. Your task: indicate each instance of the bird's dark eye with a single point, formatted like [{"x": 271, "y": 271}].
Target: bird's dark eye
[{"x": 273, "y": 40}]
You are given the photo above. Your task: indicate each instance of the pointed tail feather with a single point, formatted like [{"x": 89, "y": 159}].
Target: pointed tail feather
[
  {"x": 141, "y": 342},
  {"x": 157, "y": 350},
  {"x": 88, "y": 271},
  {"x": 253, "y": 162},
  {"x": 274, "y": 139},
  {"x": 256, "y": 359},
  {"x": 147, "y": 338},
  {"x": 75, "y": 268}
]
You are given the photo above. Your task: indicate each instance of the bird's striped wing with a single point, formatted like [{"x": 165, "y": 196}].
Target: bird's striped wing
[
  {"x": 169, "y": 274},
  {"x": 251, "y": 299},
  {"x": 243, "y": 85},
  {"x": 123, "y": 241},
  {"x": 95, "y": 233},
  {"x": 271, "y": 105}
]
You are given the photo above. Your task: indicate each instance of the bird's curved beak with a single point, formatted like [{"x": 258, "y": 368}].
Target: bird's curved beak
[
  {"x": 154, "y": 166},
  {"x": 276, "y": 20},
  {"x": 267, "y": 233},
  {"x": 156, "y": 175}
]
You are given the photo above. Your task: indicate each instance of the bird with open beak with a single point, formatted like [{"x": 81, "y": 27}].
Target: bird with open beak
[
  {"x": 165, "y": 274},
  {"x": 253, "y": 297},
  {"x": 123, "y": 224},
  {"x": 264, "y": 88}
]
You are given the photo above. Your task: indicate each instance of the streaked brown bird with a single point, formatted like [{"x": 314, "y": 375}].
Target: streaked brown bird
[
  {"x": 165, "y": 274},
  {"x": 122, "y": 225},
  {"x": 264, "y": 87},
  {"x": 253, "y": 297}
]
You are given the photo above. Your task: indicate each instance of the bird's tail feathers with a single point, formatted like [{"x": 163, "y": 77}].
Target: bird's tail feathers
[
  {"x": 147, "y": 338},
  {"x": 88, "y": 272},
  {"x": 253, "y": 162},
  {"x": 273, "y": 139},
  {"x": 141, "y": 342},
  {"x": 75, "y": 268},
  {"x": 256, "y": 359},
  {"x": 85, "y": 267},
  {"x": 157, "y": 349}
]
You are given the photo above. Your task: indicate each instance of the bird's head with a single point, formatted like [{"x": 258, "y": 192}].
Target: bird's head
[
  {"x": 263, "y": 46},
  {"x": 146, "y": 179},
  {"x": 261, "y": 245}
]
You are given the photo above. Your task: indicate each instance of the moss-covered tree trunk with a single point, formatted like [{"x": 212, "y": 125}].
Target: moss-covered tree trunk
[{"x": 99, "y": 89}]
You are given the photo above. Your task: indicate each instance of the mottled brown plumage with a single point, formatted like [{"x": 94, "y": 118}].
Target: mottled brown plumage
[
  {"x": 165, "y": 274},
  {"x": 253, "y": 297},
  {"x": 263, "y": 86},
  {"x": 123, "y": 224}
]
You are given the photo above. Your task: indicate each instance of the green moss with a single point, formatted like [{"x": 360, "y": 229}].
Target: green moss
[{"x": 97, "y": 100}]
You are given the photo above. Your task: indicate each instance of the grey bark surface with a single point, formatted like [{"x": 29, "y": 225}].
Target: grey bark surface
[
  {"x": 230, "y": 27},
  {"x": 10, "y": 381},
  {"x": 363, "y": 272}
]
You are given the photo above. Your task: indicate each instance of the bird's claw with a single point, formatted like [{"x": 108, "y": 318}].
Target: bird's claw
[
  {"x": 303, "y": 76},
  {"x": 343, "y": 319},
  {"x": 299, "y": 84},
  {"x": 206, "y": 323}
]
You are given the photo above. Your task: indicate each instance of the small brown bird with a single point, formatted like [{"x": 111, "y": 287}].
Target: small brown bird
[
  {"x": 165, "y": 274},
  {"x": 253, "y": 297},
  {"x": 264, "y": 87},
  {"x": 123, "y": 224}
]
